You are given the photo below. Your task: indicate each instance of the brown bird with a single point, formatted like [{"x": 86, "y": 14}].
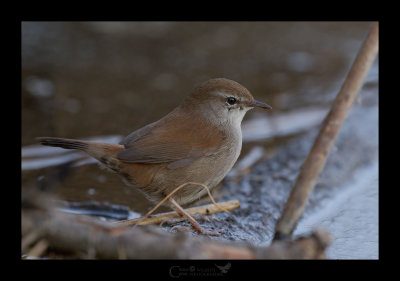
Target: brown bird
[{"x": 199, "y": 141}]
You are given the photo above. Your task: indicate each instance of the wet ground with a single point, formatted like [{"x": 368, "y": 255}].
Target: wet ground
[{"x": 88, "y": 79}]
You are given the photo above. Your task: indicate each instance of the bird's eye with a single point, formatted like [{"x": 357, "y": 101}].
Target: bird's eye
[{"x": 231, "y": 100}]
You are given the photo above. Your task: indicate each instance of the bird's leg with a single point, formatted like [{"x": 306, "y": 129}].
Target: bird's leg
[{"x": 194, "y": 223}]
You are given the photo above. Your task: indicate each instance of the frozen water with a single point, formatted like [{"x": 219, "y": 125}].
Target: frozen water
[
  {"x": 282, "y": 124},
  {"x": 351, "y": 218}
]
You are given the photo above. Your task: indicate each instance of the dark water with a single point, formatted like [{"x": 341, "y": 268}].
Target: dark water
[{"x": 84, "y": 79}]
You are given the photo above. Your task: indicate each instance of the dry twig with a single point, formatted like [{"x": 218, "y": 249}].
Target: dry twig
[
  {"x": 38, "y": 249},
  {"x": 172, "y": 193},
  {"x": 205, "y": 210},
  {"x": 316, "y": 159}
]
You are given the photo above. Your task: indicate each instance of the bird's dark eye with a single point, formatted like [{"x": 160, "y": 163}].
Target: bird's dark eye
[{"x": 231, "y": 100}]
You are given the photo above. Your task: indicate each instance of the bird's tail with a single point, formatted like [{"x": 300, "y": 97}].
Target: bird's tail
[
  {"x": 106, "y": 153},
  {"x": 64, "y": 143}
]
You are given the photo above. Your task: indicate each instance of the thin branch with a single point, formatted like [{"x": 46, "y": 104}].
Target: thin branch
[
  {"x": 316, "y": 159},
  {"x": 174, "y": 191},
  {"x": 205, "y": 210},
  {"x": 38, "y": 249},
  {"x": 29, "y": 239}
]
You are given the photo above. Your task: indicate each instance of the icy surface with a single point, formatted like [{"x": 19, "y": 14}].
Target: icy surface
[
  {"x": 351, "y": 218},
  {"x": 282, "y": 124}
]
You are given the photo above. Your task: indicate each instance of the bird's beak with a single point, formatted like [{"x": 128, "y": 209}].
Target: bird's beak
[{"x": 256, "y": 103}]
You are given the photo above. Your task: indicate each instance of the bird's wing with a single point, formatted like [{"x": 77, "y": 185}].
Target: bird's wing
[{"x": 178, "y": 139}]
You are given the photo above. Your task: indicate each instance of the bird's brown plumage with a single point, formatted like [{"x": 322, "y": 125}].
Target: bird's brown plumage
[
  {"x": 174, "y": 139},
  {"x": 196, "y": 142}
]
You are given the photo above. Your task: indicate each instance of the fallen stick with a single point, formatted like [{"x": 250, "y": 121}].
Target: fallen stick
[
  {"x": 76, "y": 234},
  {"x": 316, "y": 159},
  {"x": 38, "y": 249},
  {"x": 205, "y": 210}
]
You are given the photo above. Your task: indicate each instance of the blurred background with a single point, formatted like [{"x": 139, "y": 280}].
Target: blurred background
[{"x": 84, "y": 79}]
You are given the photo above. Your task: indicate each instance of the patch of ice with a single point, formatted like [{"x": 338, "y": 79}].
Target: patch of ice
[
  {"x": 282, "y": 124},
  {"x": 351, "y": 218}
]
